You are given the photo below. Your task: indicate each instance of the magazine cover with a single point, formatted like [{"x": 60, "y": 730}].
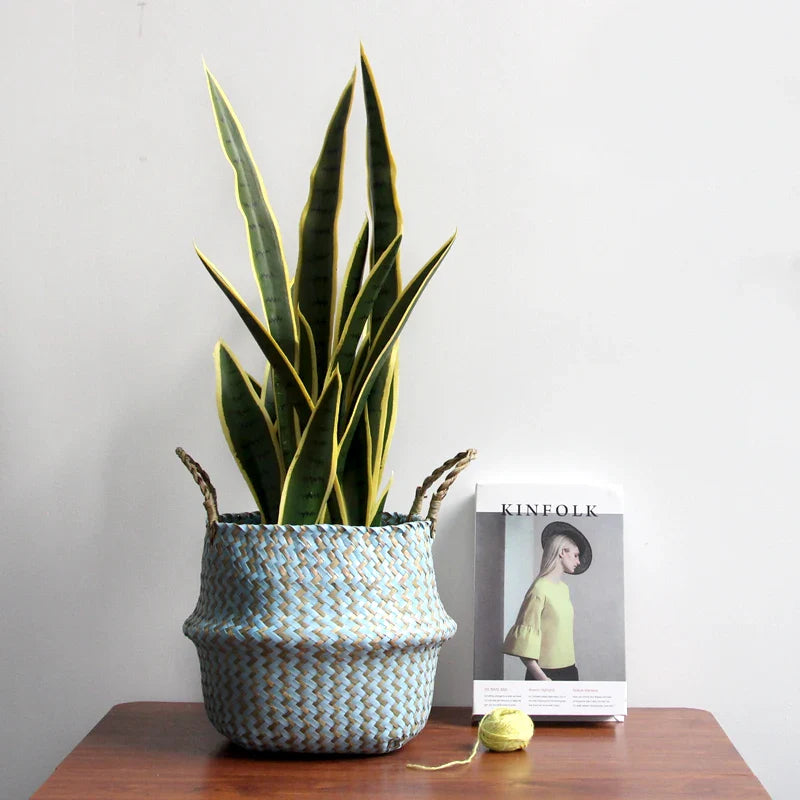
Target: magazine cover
[{"x": 549, "y": 601}]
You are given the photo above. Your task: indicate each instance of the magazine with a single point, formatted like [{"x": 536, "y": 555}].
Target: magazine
[{"x": 549, "y": 601}]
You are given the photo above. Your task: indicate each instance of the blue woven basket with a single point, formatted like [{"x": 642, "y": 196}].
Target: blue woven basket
[{"x": 321, "y": 638}]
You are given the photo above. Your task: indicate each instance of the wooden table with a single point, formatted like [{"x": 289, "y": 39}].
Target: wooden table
[{"x": 169, "y": 750}]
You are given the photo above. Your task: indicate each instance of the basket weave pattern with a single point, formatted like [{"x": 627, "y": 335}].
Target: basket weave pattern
[{"x": 319, "y": 638}]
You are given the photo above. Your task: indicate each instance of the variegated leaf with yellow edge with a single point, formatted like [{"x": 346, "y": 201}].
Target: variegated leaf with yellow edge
[
  {"x": 249, "y": 432},
  {"x": 266, "y": 247},
  {"x": 315, "y": 278},
  {"x": 310, "y": 476}
]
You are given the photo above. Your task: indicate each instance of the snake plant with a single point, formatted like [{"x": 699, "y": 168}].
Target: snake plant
[{"x": 312, "y": 435}]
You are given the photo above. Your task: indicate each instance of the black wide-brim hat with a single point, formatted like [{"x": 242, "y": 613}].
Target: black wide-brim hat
[{"x": 582, "y": 543}]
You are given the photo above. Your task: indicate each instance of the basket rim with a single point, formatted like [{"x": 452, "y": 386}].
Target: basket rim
[{"x": 250, "y": 521}]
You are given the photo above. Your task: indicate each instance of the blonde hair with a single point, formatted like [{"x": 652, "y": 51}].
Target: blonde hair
[{"x": 552, "y": 550}]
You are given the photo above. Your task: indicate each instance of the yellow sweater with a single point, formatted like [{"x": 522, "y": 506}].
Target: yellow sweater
[{"x": 543, "y": 629}]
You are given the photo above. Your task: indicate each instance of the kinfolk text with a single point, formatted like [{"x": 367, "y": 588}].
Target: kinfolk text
[{"x": 546, "y": 510}]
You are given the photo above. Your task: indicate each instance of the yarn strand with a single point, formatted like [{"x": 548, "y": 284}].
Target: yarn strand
[
  {"x": 502, "y": 730},
  {"x": 449, "y": 763}
]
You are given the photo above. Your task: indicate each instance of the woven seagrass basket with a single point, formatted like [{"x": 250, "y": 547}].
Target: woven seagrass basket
[{"x": 320, "y": 638}]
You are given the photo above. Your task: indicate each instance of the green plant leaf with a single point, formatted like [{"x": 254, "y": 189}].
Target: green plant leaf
[
  {"x": 310, "y": 476},
  {"x": 249, "y": 432},
  {"x": 288, "y": 389},
  {"x": 295, "y": 391},
  {"x": 380, "y": 422},
  {"x": 307, "y": 358},
  {"x": 380, "y": 347},
  {"x": 376, "y": 407},
  {"x": 399, "y": 313},
  {"x": 337, "y": 510},
  {"x": 377, "y": 513},
  {"x": 388, "y": 432},
  {"x": 352, "y": 278},
  {"x": 353, "y": 475},
  {"x": 268, "y": 393},
  {"x": 255, "y": 386},
  {"x": 266, "y": 248},
  {"x": 387, "y": 219},
  {"x": 286, "y": 417},
  {"x": 315, "y": 279},
  {"x": 359, "y": 313},
  {"x": 358, "y": 363},
  {"x": 382, "y": 413}
]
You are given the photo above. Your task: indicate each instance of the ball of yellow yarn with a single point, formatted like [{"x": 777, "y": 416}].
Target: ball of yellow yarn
[
  {"x": 505, "y": 729},
  {"x": 502, "y": 730}
]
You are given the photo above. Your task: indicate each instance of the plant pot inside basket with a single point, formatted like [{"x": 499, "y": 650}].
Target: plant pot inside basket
[{"x": 318, "y": 638}]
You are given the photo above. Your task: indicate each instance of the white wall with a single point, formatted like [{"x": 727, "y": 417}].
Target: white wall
[{"x": 621, "y": 305}]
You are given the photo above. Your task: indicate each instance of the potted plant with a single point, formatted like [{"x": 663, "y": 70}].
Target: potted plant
[{"x": 319, "y": 623}]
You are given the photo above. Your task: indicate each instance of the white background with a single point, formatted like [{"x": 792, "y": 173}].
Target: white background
[{"x": 621, "y": 306}]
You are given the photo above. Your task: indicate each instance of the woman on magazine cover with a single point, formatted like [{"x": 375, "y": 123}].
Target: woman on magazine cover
[{"x": 542, "y": 635}]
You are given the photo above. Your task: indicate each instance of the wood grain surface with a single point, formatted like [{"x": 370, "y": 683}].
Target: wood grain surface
[{"x": 169, "y": 750}]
